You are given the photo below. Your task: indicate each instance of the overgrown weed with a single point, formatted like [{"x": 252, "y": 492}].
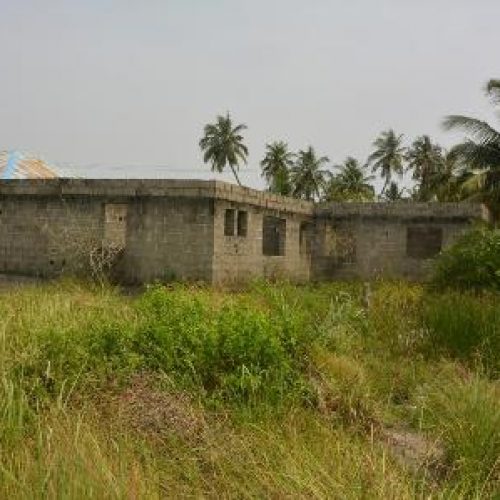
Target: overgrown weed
[{"x": 277, "y": 390}]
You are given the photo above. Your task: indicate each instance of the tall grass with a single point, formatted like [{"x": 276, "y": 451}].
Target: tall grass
[
  {"x": 275, "y": 391},
  {"x": 465, "y": 414},
  {"x": 465, "y": 326}
]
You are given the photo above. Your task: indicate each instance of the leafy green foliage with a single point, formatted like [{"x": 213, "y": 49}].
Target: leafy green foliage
[
  {"x": 233, "y": 350},
  {"x": 350, "y": 183},
  {"x": 471, "y": 262},
  {"x": 393, "y": 192}
]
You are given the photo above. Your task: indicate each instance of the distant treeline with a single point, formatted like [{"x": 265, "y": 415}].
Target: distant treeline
[{"x": 469, "y": 170}]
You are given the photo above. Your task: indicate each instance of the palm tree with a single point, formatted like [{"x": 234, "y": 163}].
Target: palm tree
[
  {"x": 426, "y": 162},
  {"x": 276, "y": 167},
  {"x": 308, "y": 178},
  {"x": 222, "y": 144},
  {"x": 448, "y": 184},
  {"x": 480, "y": 152},
  {"x": 388, "y": 156},
  {"x": 350, "y": 183}
]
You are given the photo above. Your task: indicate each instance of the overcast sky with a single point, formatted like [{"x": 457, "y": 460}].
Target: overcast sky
[{"x": 119, "y": 87}]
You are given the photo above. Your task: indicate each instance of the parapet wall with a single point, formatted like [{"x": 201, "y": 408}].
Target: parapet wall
[
  {"x": 403, "y": 210},
  {"x": 131, "y": 188}
]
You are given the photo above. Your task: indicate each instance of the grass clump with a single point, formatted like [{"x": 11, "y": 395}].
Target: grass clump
[
  {"x": 465, "y": 326},
  {"x": 465, "y": 413}
]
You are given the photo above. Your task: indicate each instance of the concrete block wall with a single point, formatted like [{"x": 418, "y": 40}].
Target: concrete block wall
[
  {"x": 44, "y": 236},
  {"x": 175, "y": 229},
  {"x": 377, "y": 235},
  {"x": 164, "y": 227},
  {"x": 241, "y": 258},
  {"x": 169, "y": 238}
]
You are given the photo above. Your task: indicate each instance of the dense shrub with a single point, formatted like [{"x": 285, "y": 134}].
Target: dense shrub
[
  {"x": 472, "y": 262},
  {"x": 234, "y": 349}
]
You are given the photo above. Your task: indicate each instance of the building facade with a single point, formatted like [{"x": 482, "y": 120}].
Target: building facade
[{"x": 216, "y": 232}]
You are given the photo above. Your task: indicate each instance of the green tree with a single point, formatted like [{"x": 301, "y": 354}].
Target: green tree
[
  {"x": 388, "y": 156},
  {"x": 308, "y": 177},
  {"x": 480, "y": 152},
  {"x": 426, "y": 162},
  {"x": 276, "y": 167},
  {"x": 350, "y": 183},
  {"x": 222, "y": 145}
]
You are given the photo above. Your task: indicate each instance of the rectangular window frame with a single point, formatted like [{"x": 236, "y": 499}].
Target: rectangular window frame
[
  {"x": 423, "y": 242},
  {"x": 242, "y": 223},
  {"x": 273, "y": 236},
  {"x": 229, "y": 221}
]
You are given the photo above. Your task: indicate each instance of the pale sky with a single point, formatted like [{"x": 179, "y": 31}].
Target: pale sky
[{"x": 122, "y": 88}]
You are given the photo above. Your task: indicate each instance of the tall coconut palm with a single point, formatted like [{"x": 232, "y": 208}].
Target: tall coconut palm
[
  {"x": 307, "y": 175},
  {"x": 222, "y": 145},
  {"x": 350, "y": 183},
  {"x": 276, "y": 167},
  {"x": 480, "y": 151},
  {"x": 388, "y": 156},
  {"x": 426, "y": 162}
]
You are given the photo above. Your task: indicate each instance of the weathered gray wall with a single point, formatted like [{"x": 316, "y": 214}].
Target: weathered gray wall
[
  {"x": 371, "y": 240},
  {"x": 165, "y": 227},
  {"x": 241, "y": 258},
  {"x": 169, "y": 238},
  {"x": 44, "y": 235}
]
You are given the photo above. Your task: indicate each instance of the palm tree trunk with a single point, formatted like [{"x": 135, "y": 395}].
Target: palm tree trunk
[{"x": 235, "y": 175}]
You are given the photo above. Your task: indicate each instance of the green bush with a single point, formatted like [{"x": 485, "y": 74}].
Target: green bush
[
  {"x": 472, "y": 262},
  {"x": 248, "y": 347},
  {"x": 235, "y": 349}
]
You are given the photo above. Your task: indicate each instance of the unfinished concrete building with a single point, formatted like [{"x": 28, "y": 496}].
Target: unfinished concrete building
[{"x": 216, "y": 232}]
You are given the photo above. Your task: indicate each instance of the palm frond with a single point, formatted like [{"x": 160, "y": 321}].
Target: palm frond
[
  {"x": 473, "y": 126},
  {"x": 478, "y": 156}
]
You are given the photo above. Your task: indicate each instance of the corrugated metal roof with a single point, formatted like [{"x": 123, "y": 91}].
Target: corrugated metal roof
[{"x": 18, "y": 165}]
